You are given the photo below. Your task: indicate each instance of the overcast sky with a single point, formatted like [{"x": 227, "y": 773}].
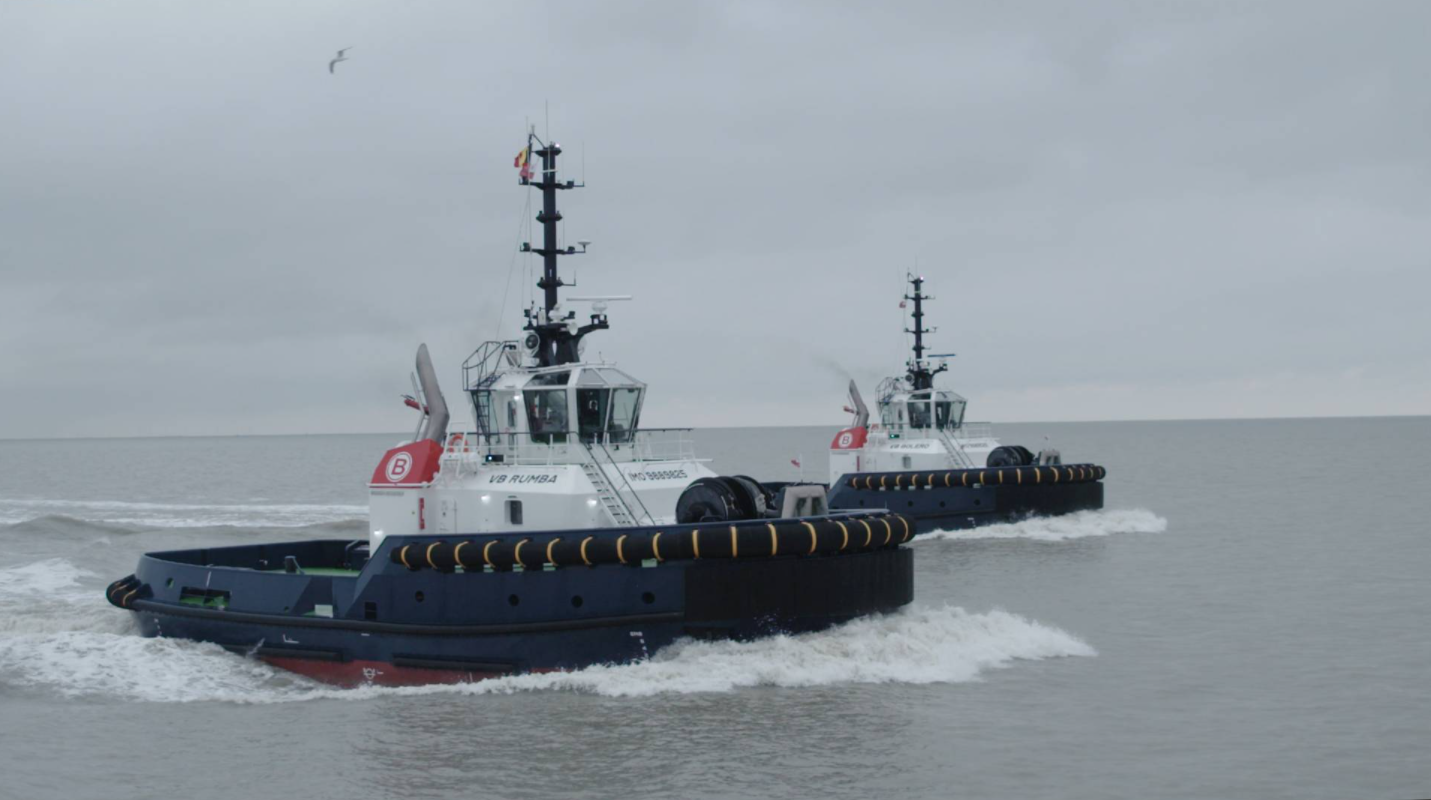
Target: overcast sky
[{"x": 1126, "y": 211}]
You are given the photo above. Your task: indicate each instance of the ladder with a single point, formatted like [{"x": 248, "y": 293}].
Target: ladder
[
  {"x": 957, "y": 456},
  {"x": 620, "y": 512}
]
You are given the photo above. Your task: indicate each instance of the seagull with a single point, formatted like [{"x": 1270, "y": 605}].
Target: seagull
[{"x": 341, "y": 57}]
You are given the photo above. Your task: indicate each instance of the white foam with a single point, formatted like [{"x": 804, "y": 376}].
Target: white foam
[
  {"x": 1079, "y": 525},
  {"x": 53, "y": 575},
  {"x": 181, "y": 515},
  {"x": 75, "y": 663},
  {"x": 917, "y": 646},
  {"x": 51, "y": 595}
]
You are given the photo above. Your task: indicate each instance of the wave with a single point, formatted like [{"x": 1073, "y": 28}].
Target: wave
[
  {"x": 49, "y": 577},
  {"x": 129, "y": 667},
  {"x": 1078, "y": 525},
  {"x": 63, "y": 525},
  {"x": 54, "y": 595},
  {"x": 180, "y": 515},
  {"x": 914, "y": 646}
]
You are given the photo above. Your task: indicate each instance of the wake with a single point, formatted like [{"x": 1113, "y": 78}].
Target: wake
[
  {"x": 914, "y": 646},
  {"x": 1104, "y": 522}
]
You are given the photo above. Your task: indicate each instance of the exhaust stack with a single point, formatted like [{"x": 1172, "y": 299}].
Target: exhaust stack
[
  {"x": 862, "y": 412},
  {"x": 436, "y": 425}
]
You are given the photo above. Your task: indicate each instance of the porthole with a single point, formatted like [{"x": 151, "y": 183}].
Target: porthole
[
  {"x": 576, "y": 601},
  {"x": 513, "y": 600},
  {"x": 941, "y": 503},
  {"x": 910, "y": 504},
  {"x": 978, "y": 502},
  {"x": 418, "y": 596},
  {"x": 648, "y": 598},
  {"x": 169, "y": 582}
]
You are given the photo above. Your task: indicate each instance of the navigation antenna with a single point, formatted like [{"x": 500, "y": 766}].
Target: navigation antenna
[
  {"x": 920, "y": 375},
  {"x": 554, "y": 336}
]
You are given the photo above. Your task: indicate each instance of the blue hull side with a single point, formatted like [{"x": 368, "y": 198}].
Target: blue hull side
[
  {"x": 961, "y": 507},
  {"x": 398, "y": 626}
]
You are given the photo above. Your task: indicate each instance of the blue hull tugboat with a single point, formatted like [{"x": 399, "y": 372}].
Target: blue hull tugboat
[
  {"x": 552, "y": 534},
  {"x": 923, "y": 460}
]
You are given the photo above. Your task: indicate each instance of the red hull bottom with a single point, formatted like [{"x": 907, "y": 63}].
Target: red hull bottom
[{"x": 352, "y": 674}]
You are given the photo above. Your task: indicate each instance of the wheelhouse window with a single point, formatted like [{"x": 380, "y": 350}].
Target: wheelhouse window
[
  {"x": 625, "y": 414},
  {"x": 546, "y": 408},
  {"x": 949, "y": 410},
  {"x": 919, "y": 412},
  {"x": 608, "y": 405},
  {"x": 592, "y": 408},
  {"x": 546, "y": 415}
]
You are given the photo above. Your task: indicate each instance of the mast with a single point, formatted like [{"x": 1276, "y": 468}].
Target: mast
[
  {"x": 920, "y": 375},
  {"x": 558, "y": 335}
]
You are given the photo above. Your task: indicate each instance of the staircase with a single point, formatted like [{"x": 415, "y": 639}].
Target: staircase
[
  {"x": 957, "y": 457},
  {"x": 611, "y": 498}
]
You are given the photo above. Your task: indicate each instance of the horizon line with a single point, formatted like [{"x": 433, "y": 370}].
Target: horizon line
[{"x": 730, "y": 427}]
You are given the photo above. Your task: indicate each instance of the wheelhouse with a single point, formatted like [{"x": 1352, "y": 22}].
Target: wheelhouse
[
  {"x": 927, "y": 409},
  {"x": 588, "y": 403}
]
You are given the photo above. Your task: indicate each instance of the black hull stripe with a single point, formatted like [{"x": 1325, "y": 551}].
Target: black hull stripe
[
  {"x": 308, "y": 654},
  {"x": 368, "y": 626}
]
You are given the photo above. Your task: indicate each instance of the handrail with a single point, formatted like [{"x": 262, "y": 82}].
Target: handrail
[
  {"x": 647, "y": 444},
  {"x": 965, "y": 430},
  {"x": 957, "y": 456},
  {"x": 624, "y": 480},
  {"x": 974, "y": 430},
  {"x": 480, "y": 360}
]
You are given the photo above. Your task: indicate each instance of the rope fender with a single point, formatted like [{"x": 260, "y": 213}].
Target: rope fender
[
  {"x": 123, "y": 591},
  {"x": 995, "y": 476},
  {"x": 755, "y": 539}
]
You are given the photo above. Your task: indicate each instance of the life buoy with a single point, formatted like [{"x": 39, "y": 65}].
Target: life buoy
[{"x": 457, "y": 443}]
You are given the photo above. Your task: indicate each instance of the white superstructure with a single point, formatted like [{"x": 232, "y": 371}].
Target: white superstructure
[
  {"x": 547, "y": 448},
  {"x": 917, "y": 429},
  {"x": 554, "y": 441}
]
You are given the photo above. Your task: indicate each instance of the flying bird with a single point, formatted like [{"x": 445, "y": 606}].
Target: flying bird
[{"x": 341, "y": 57}]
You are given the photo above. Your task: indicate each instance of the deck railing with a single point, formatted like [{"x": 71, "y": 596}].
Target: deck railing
[
  {"x": 968, "y": 430},
  {"x": 569, "y": 447}
]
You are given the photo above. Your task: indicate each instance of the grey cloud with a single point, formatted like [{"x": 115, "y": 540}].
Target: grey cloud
[{"x": 1126, "y": 210}]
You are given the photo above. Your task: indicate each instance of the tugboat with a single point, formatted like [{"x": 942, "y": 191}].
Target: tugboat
[
  {"x": 553, "y": 534},
  {"x": 923, "y": 460}
]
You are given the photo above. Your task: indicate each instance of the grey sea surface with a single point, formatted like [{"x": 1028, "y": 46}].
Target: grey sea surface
[{"x": 1249, "y": 617}]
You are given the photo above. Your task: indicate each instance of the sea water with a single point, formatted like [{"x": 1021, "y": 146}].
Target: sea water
[{"x": 1247, "y": 617}]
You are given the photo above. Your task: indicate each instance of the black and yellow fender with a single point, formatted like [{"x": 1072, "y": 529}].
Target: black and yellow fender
[
  {"x": 747, "y": 539},
  {"x": 125, "y": 591},
  {"x": 986, "y": 476}
]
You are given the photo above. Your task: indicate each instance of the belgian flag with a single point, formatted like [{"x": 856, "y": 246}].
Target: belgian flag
[{"x": 523, "y": 162}]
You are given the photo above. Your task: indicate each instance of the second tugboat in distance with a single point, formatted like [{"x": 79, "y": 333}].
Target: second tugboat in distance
[{"x": 922, "y": 459}]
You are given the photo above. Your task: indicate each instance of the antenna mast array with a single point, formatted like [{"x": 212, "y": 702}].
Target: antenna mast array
[
  {"x": 557, "y": 335},
  {"x": 920, "y": 375}
]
